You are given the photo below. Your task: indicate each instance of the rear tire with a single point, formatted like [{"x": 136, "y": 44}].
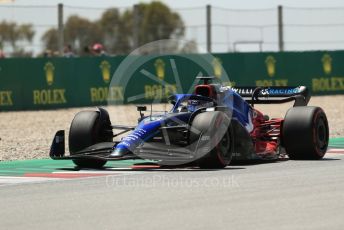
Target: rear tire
[
  {"x": 86, "y": 130},
  {"x": 305, "y": 133},
  {"x": 215, "y": 125}
]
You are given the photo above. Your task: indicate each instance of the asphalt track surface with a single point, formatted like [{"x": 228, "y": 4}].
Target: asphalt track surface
[{"x": 280, "y": 195}]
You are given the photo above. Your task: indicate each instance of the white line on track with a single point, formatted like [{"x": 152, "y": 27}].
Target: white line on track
[{"x": 19, "y": 180}]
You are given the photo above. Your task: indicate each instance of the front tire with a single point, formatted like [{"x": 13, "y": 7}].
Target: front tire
[
  {"x": 215, "y": 125},
  {"x": 87, "y": 129},
  {"x": 305, "y": 133}
]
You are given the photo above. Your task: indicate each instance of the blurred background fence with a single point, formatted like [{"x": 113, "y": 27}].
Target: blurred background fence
[{"x": 36, "y": 31}]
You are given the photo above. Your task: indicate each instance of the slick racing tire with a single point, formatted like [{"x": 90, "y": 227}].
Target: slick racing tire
[
  {"x": 87, "y": 129},
  {"x": 215, "y": 130},
  {"x": 305, "y": 133}
]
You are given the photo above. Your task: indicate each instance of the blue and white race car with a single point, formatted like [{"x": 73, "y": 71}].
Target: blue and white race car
[{"x": 209, "y": 128}]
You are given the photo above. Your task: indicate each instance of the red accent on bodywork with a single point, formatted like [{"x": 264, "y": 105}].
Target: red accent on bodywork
[
  {"x": 206, "y": 90},
  {"x": 138, "y": 167},
  {"x": 265, "y": 134}
]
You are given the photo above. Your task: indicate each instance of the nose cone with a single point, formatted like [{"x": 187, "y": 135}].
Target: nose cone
[
  {"x": 119, "y": 152},
  {"x": 143, "y": 132}
]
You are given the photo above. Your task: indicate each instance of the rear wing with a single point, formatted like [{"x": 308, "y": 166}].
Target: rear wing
[{"x": 274, "y": 94}]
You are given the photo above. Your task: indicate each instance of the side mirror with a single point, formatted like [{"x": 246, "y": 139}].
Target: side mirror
[{"x": 141, "y": 108}]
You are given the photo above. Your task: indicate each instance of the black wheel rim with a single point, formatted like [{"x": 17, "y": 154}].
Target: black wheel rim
[
  {"x": 321, "y": 134},
  {"x": 224, "y": 145}
]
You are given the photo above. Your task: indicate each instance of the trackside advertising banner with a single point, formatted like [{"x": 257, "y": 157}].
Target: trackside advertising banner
[{"x": 49, "y": 83}]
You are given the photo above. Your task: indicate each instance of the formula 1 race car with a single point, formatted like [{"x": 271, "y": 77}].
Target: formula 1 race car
[{"x": 209, "y": 128}]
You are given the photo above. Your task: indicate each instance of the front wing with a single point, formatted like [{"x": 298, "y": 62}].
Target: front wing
[{"x": 165, "y": 154}]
